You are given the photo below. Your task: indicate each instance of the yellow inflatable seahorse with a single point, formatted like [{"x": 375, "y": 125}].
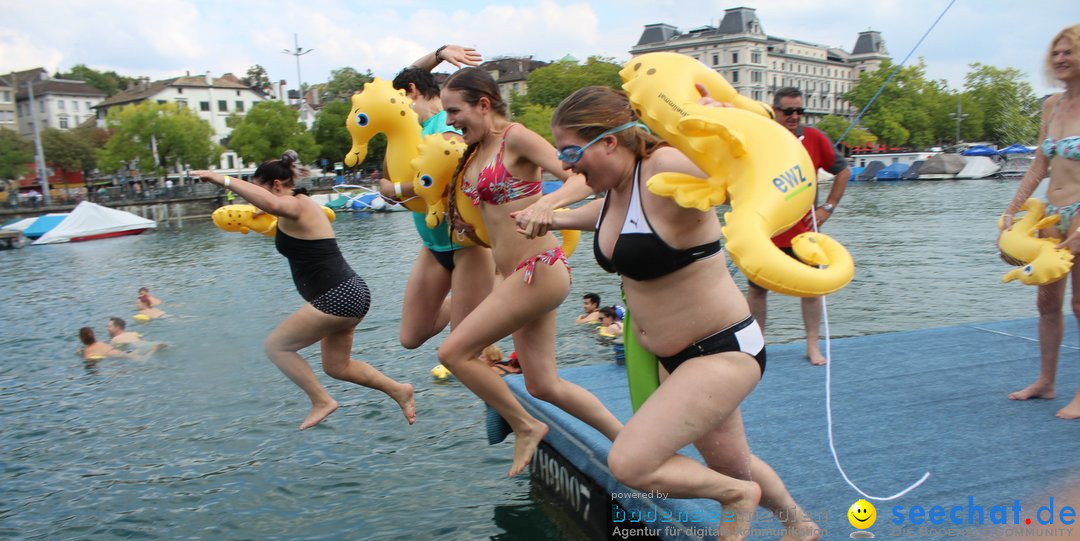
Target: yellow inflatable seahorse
[
  {"x": 750, "y": 160},
  {"x": 1042, "y": 261},
  {"x": 381, "y": 108},
  {"x": 436, "y": 160},
  {"x": 246, "y": 218}
]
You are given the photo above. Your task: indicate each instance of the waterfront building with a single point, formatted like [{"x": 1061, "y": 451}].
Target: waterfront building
[
  {"x": 757, "y": 64},
  {"x": 213, "y": 99},
  {"x": 58, "y": 103},
  {"x": 10, "y": 83}
]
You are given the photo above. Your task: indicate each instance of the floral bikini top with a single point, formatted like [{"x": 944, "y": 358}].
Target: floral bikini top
[
  {"x": 1066, "y": 147},
  {"x": 495, "y": 185}
]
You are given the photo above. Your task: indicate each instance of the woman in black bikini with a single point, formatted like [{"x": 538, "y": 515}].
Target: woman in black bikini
[
  {"x": 337, "y": 297},
  {"x": 687, "y": 310}
]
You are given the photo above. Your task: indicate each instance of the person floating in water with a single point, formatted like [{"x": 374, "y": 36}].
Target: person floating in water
[
  {"x": 146, "y": 308},
  {"x": 337, "y": 298},
  {"x": 145, "y": 292},
  {"x": 591, "y": 303},
  {"x": 119, "y": 334}
]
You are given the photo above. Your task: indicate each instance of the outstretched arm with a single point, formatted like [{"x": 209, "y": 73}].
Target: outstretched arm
[
  {"x": 454, "y": 54},
  {"x": 287, "y": 207},
  {"x": 537, "y": 218},
  {"x": 582, "y": 218}
]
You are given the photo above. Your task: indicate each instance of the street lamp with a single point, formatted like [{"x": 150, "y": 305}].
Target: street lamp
[
  {"x": 298, "y": 53},
  {"x": 959, "y": 117}
]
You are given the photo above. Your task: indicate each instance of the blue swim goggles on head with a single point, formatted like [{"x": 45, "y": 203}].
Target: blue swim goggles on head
[{"x": 572, "y": 154}]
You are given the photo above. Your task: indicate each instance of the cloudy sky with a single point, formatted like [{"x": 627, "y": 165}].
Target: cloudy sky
[{"x": 165, "y": 38}]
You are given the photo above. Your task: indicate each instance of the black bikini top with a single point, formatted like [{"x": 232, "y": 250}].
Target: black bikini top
[{"x": 640, "y": 254}]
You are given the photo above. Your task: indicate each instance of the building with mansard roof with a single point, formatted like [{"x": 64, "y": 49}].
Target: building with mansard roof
[{"x": 758, "y": 64}]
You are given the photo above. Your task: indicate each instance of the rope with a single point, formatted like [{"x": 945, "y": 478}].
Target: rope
[
  {"x": 825, "y": 306},
  {"x": 828, "y": 399}
]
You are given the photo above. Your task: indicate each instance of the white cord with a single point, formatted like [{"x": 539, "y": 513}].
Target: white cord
[{"x": 828, "y": 399}]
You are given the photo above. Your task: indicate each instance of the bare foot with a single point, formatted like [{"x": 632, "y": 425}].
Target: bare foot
[
  {"x": 741, "y": 506},
  {"x": 404, "y": 398},
  {"x": 318, "y": 413},
  {"x": 1072, "y": 411},
  {"x": 1035, "y": 390},
  {"x": 525, "y": 444},
  {"x": 815, "y": 356}
]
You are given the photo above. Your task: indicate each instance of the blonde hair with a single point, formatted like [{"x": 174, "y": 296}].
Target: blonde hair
[
  {"x": 492, "y": 353},
  {"x": 1070, "y": 33}
]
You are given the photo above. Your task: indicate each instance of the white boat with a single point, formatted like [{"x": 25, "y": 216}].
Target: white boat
[
  {"x": 89, "y": 221},
  {"x": 1016, "y": 165},
  {"x": 363, "y": 199},
  {"x": 979, "y": 167}
]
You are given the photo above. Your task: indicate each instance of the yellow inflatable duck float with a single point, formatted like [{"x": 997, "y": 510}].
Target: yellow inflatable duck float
[
  {"x": 441, "y": 372},
  {"x": 1042, "y": 261},
  {"x": 436, "y": 160},
  {"x": 750, "y": 161},
  {"x": 246, "y": 218}
]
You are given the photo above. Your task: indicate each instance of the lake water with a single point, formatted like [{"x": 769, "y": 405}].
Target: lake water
[{"x": 201, "y": 440}]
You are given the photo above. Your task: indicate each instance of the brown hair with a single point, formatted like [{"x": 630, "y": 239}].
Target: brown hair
[
  {"x": 286, "y": 169},
  {"x": 86, "y": 335},
  {"x": 1072, "y": 35},
  {"x": 473, "y": 84},
  {"x": 493, "y": 353},
  {"x": 595, "y": 109}
]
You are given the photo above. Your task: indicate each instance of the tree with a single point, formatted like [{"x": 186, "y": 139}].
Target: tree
[
  {"x": 108, "y": 82},
  {"x": 343, "y": 83},
  {"x": 15, "y": 154},
  {"x": 1008, "y": 103},
  {"x": 69, "y": 150},
  {"x": 258, "y": 80},
  {"x": 549, "y": 85},
  {"x": 538, "y": 119},
  {"x": 182, "y": 138},
  {"x": 909, "y": 110},
  {"x": 835, "y": 126},
  {"x": 268, "y": 130},
  {"x": 330, "y": 133}
]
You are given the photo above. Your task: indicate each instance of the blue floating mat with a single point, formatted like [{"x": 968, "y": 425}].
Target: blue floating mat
[{"x": 903, "y": 404}]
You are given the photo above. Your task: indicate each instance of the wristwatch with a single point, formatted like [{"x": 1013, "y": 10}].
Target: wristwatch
[{"x": 828, "y": 207}]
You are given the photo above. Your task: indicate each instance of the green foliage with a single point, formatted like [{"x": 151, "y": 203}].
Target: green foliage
[
  {"x": 15, "y": 154},
  {"x": 549, "y": 85},
  {"x": 1008, "y": 104},
  {"x": 257, "y": 79},
  {"x": 268, "y": 130},
  {"x": 835, "y": 126},
  {"x": 909, "y": 110},
  {"x": 108, "y": 82},
  {"x": 342, "y": 84},
  {"x": 538, "y": 119},
  {"x": 69, "y": 150},
  {"x": 182, "y": 138},
  {"x": 330, "y": 133}
]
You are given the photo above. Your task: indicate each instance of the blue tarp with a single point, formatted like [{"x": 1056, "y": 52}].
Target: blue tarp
[
  {"x": 892, "y": 172},
  {"x": 1015, "y": 148},
  {"x": 551, "y": 185},
  {"x": 980, "y": 150},
  {"x": 43, "y": 225}
]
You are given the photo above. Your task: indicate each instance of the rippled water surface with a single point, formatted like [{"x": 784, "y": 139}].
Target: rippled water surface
[{"x": 201, "y": 440}]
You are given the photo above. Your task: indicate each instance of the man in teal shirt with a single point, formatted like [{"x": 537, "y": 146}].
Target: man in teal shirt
[{"x": 441, "y": 266}]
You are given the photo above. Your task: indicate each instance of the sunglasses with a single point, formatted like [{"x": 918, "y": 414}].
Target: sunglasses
[
  {"x": 572, "y": 154},
  {"x": 791, "y": 110}
]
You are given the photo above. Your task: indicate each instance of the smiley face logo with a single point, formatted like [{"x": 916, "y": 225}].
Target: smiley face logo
[{"x": 862, "y": 514}]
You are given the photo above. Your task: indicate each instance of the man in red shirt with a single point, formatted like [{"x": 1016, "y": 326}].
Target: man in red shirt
[{"x": 788, "y": 107}]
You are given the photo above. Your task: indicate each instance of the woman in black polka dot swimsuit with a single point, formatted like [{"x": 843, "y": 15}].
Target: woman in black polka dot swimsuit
[{"x": 337, "y": 297}]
